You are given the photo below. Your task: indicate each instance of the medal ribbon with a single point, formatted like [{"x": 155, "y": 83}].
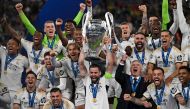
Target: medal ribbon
[
  {"x": 94, "y": 89},
  {"x": 160, "y": 96},
  {"x": 186, "y": 93},
  {"x": 8, "y": 60},
  {"x": 31, "y": 99},
  {"x": 138, "y": 57},
  {"x": 50, "y": 45},
  {"x": 75, "y": 68},
  {"x": 165, "y": 59},
  {"x": 51, "y": 77},
  {"x": 154, "y": 45},
  {"x": 36, "y": 57},
  {"x": 135, "y": 84}
]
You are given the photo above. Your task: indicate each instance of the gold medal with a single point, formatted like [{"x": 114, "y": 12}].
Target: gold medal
[
  {"x": 133, "y": 94},
  {"x": 158, "y": 107},
  {"x": 94, "y": 100}
]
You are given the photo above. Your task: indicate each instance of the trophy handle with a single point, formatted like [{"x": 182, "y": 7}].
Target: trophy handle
[{"x": 110, "y": 26}]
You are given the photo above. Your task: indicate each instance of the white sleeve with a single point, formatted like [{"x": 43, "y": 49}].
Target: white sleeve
[
  {"x": 185, "y": 55},
  {"x": 184, "y": 27},
  {"x": 146, "y": 94},
  {"x": 26, "y": 44},
  {"x": 173, "y": 29},
  {"x": 179, "y": 57},
  {"x": 25, "y": 62}
]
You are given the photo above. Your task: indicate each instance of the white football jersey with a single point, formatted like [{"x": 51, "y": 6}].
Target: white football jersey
[
  {"x": 183, "y": 25},
  {"x": 28, "y": 47},
  {"x": 168, "y": 100},
  {"x": 186, "y": 53},
  {"x": 22, "y": 98},
  {"x": 179, "y": 87},
  {"x": 153, "y": 44},
  {"x": 175, "y": 56},
  {"x": 101, "y": 101},
  {"x": 147, "y": 55},
  {"x": 11, "y": 76}
]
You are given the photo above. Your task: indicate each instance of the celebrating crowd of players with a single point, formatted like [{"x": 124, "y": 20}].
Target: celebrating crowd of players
[{"x": 151, "y": 73}]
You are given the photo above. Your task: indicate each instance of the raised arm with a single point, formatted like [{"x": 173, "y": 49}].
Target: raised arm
[
  {"x": 24, "y": 19},
  {"x": 82, "y": 67},
  {"x": 63, "y": 39},
  {"x": 174, "y": 27},
  {"x": 78, "y": 18},
  {"x": 9, "y": 30},
  {"x": 144, "y": 25}
]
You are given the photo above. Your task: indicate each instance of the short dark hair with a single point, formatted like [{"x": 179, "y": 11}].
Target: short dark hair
[
  {"x": 16, "y": 40},
  {"x": 185, "y": 68},
  {"x": 159, "y": 68},
  {"x": 47, "y": 53},
  {"x": 55, "y": 89},
  {"x": 71, "y": 21},
  {"x": 168, "y": 32},
  {"x": 140, "y": 33},
  {"x": 31, "y": 72},
  {"x": 94, "y": 65}
]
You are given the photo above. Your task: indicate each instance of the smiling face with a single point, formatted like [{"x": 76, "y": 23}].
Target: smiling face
[
  {"x": 158, "y": 77},
  {"x": 73, "y": 51},
  {"x": 49, "y": 29},
  {"x": 139, "y": 41},
  {"x": 56, "y": 98},
  {"x": 151, "y": 19},
  {"x": 47, "y": 61},
  {"x": 69, "y": 28},
  {"x": 13, "y": 46},
  {"x": 37, "y": 38},
  {"x": 155, "y": 27},
  {"x": 95, "y": 74},
  {"x": 78, "y": 36},
  {"x": 183, "y": 75},
  {"x": 136, "y": 68},
  {"x": 166, "y": 39},
  {"x": 31, "y": 81},
  {"x": 126, "y": 31}
]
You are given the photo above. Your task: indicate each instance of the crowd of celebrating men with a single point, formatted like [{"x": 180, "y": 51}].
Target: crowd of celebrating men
[{"x": 143, "y": 71}]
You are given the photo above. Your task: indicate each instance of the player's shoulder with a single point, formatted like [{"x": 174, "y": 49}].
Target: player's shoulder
[
  {"x": 151, "y": 86},
  {"x": 21, "y": 91},
  {"x": 175, "y": 49},
  {"x": 158, "y": 50}
]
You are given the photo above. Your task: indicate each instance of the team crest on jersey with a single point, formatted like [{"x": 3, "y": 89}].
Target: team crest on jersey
[
  {"x": 179, "y": 58},
  {"x": 173, "y": 90}
]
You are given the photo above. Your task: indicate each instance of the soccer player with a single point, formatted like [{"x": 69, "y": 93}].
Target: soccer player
[
  {"x": 57, "y": 101},
  {"x": 29, "y": 97},
  {"x": 184, "y": 86},
  {"x": 50, "y": 77},
  {"x": 95, "y": 85},
  {"x": 5, "y": 99},
  {"x": 140, "y": 52},
  {"x": 186, "y": 53},
  {"x": 71, "y": 68},
  {"x": 162, "y": 95},
  {"x": 13, "y": 64},
  {"x": 167, "y": 57}
]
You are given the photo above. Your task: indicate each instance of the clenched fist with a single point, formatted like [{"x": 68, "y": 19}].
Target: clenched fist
[
  {"x": 19, "y": 7},
  {"x": 59, "y": 22},
  {"x": 82, "y": 7},
  {"x": 143, "y": 8}
]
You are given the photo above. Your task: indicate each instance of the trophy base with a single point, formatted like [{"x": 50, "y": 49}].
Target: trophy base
[{"x": 95, "y": 60}]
